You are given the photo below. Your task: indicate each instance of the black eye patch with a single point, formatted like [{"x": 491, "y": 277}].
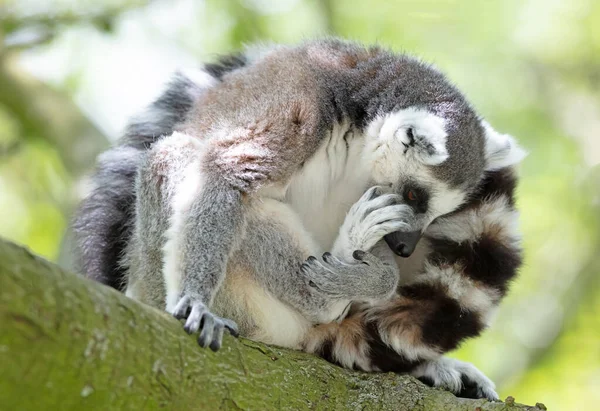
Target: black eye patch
[{"x": 416, "y": 197}]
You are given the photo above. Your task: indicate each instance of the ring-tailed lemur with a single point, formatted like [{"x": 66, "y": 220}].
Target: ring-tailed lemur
[{"x": 222, "y": 193}]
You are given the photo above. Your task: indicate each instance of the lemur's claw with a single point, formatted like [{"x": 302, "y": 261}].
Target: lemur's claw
[
  {"x": 358, "y": 255},
  {"x": 198, "y": 317},
  {"x": 461, "y": 378},
  {"x": 231, "y": 326},
  {"x": 182, "y": 309},
  {"x": 476, "y": 389}
]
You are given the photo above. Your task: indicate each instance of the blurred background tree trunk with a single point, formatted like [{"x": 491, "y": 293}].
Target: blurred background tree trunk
[
  {"x": 47, "y": 116},
  {"x": 51, "y": 116}
]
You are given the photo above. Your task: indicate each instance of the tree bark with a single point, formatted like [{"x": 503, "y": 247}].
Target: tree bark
[{"x": 70, "y": 344}]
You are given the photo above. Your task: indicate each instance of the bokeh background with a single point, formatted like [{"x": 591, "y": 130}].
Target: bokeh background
[{"x": 73, "y": 71}]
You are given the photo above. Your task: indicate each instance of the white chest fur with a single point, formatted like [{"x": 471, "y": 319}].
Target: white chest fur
[{"x": 329, "y": 183}]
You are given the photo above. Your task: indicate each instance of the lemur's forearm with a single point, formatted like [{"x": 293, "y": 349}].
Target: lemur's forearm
[{"x": 212, "y": 228}]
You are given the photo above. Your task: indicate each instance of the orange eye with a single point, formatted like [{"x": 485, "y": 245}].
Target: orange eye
[{"x": 411, "y": 196}]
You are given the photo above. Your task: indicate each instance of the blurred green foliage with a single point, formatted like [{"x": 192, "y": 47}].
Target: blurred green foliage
[{"x": 532, "y": 68}]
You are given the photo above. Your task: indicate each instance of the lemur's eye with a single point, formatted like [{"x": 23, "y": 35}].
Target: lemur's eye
[
  {"x": 411, "y": 196},
  {"x": 416, "y": 197}
]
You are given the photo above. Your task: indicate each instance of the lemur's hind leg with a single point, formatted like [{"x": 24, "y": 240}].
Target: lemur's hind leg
[
  {"x": 369, "y": 278},
  {"x": 361, "y": 265},
  {"x": 176, "y": 248},
  {"x": 143, "y": 254},
  {"x": 274, "y": 247},
  {"x": 268, "y": 287}
]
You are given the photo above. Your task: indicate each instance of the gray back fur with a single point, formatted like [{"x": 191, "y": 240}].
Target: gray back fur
[{"x": 324, "y": 81}]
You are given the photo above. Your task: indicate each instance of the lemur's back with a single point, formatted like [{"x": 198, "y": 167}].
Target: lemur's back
[{"x": 103, "y": 222}]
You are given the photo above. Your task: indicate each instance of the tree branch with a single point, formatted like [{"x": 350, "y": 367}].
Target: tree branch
[{"x": 68, "y": 343}]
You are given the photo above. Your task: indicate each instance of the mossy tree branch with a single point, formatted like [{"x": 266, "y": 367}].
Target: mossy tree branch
[{"x": 68, "y": 343}]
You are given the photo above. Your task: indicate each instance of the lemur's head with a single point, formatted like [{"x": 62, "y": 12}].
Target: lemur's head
[{"x": 434, "y": 152}]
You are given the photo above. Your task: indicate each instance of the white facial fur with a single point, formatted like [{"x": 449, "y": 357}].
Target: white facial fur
[
  {"x": 388, "y": 145},
  {"x": 444, "y": 199},
  {"x": 394, "y": 160},
  {"x": 428, "y": 129}
]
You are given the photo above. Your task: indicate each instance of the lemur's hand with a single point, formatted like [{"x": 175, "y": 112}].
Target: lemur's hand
[
  {"x": 198, "y": 317},
  {"x": 372, "y": 217},
  {"x": 368, "y": 278}
]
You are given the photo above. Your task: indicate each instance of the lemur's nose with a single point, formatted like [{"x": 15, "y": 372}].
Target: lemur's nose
[{"x": 403, "y": 244}]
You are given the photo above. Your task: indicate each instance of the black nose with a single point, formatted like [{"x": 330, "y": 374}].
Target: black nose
[{"x": 403, "y": 244}]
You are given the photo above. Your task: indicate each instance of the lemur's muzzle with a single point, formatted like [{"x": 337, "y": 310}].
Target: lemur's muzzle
[{"x": 403, "y": 244}]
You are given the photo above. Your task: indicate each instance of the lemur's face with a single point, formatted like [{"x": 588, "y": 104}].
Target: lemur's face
[{"x": 434, "y": 163}]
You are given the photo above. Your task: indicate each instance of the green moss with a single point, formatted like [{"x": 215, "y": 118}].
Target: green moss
[{"x": 68, "y": 343}]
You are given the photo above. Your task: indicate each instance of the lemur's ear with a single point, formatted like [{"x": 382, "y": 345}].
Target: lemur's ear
[{"x": 501, "y": 150}]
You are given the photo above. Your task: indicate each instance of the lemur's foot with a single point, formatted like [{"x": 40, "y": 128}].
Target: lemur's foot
[
  {"x": 461, "y": 378},
  {"x": 367, "y": 278},
  {"x": 198, "y": 317},
  {"x": 372, "y": 217}
]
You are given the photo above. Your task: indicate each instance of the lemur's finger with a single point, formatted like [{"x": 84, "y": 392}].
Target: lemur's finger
[
  {"x": 382, "y": 201},
  {"x": 206, "y": 335},
  {"x": 217, "y": 338},
  {"x": 333, "y": 260},
  {"x": 371, "y": 259},
  {"x": 379, "y": 231},
  {"x": 231, "y": 326},
  {"x": 398, "y": 212},
  {"x": 371, "y": 193},
  {"x": 364, "y": 257},
  {"x": 182, "y": 309},
  {"x": 193, "y": 321},
  {"x": 328, "y": 258}
]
